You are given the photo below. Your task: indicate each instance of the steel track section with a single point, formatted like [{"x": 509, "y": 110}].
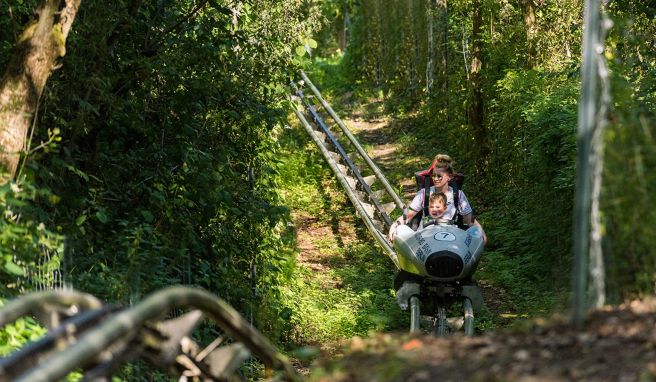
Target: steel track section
[
  {"x": 363, "y": 154},
  {"x": 379, "y": 236},
  {"x": 379, "y": 210},
  {"x": 468, "y": 312},
  {"x": 97, "y": 339},
  {"x": 415, "y": 315}
]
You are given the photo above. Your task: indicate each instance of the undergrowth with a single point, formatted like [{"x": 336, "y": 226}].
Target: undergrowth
[{"x": 531, "y": 292}]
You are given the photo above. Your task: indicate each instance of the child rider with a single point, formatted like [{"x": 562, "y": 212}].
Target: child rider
[{"x": 436, "y": 208}]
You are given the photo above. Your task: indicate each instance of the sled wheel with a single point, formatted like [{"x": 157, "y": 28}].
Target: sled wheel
[
  {"x": 469, "y": 316},
  {"x": 441, "y": 325},
  {"x": 414, "y": 314}
]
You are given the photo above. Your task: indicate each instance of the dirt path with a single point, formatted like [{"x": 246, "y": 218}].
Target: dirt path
[
  {"x": 343, "y": 280},
  {"x": 310, "y": 230},
  {"x": 614, "y": 344},
  {"x": 380, "y": 134},
  {"x": 316, "y": 239}
]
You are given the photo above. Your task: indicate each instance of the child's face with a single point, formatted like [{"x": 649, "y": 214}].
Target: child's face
[{"x": 436, "y": 208}]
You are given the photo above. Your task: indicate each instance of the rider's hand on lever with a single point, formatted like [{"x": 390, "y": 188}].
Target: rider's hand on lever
[{"x": 395, "y": 225}]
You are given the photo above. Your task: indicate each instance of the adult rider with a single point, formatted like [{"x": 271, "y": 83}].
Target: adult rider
[{"x": 442, "y": 173}]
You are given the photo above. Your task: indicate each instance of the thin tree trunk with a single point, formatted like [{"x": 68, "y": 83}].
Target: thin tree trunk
[
  {"x": 413, "y": 63},
  {"x": 444, "y": 60},
  {"x": 33, "y": 60},
  {"x": 430, "y": 70},
  {"x": 381, "y": 48},
  {"x": 476, "y": 82},
  {"x": 529, "y": 23},
  {"x": 341, "y": 34}
]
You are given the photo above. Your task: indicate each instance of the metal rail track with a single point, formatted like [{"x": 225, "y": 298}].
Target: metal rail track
[
  {"x": 373, "y": 206},
  {"x": 96, "y": 339}
]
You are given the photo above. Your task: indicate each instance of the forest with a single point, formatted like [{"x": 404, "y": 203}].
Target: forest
[{"x": 153, "y": 143}]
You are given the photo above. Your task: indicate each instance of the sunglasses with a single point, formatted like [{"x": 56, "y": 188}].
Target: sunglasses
[{"x": 437, "y": 176}]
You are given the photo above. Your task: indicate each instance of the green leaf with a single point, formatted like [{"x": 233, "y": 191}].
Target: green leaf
[
  {"x": 13, "y": 268},
  {"x": 78, "y": 172},
  {"x": 312, "y": 43},
  {"x": 80, "y": 219},
  {"x": 300, "y": 50},
  {"x": 84, "y": 105},
  {"x": 147, "y": 216},
  {"x": 102, "y": 216}
]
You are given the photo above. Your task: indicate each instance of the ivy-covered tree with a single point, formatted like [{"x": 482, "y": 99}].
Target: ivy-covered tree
[{"x": 35, "y": 55}]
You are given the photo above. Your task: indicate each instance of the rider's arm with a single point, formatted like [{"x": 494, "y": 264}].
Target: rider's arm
[
  {"x": 415, "y": 207},
  {"x": 399, "y": 221},
  {"x": 470, "y": 221}
]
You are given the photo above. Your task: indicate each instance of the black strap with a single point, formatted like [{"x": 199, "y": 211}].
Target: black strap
[
  {"x": 456, "y": 202},
  {"x": 415, "y": 222},
  {"x": 427, "y": 185}
]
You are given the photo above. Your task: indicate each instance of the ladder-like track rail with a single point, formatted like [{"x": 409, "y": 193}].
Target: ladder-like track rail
[{"x": 370, "y": 204}]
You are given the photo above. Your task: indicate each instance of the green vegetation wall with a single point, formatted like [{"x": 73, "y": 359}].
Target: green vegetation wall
[
  {"x": 496, "y": 85},
  {"x": 629, "y": 174},
  {"x": 165, "y": 119}
]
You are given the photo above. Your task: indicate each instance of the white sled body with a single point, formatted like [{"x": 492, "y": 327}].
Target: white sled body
[{"x": 439, "y": 252}]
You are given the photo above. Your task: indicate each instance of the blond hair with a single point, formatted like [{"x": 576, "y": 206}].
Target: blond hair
[{"x": 443, "y": 161}]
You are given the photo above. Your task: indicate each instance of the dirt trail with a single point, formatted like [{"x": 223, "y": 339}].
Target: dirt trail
[
  {"x": 380, "y": 135},
  {"x": 317, "y": 238},
  {"x": 310, "y": 229},
  {"x": 614, "y": 344}
]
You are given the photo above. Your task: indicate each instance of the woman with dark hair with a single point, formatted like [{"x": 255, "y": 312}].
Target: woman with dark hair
[{"x": 442, "y": 172}]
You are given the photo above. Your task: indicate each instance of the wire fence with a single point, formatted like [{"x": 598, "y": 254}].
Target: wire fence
[{"x": 47, "y": 272}]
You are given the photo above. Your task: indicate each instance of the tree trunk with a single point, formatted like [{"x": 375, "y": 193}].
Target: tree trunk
[
  {"x": 529, "y": 23},
  {"x": 444, "y": 57},
  {"x": 345, "y": 30},
  {"x": 476, "y": 82},
  {"x": 430, "y": 70},
  {"x": 33, "y": 60}
]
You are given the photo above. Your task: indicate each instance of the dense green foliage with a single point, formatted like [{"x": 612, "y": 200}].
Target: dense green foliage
[
  {"x": 165, "y": 172},
  {"x": 629, "y": 176},
  {"x": 520, "y": 153}
]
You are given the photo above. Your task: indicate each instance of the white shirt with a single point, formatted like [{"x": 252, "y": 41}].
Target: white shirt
[{"x": 464, "y": 207}]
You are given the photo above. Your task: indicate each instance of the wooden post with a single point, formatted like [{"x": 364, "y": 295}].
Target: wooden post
[{"x": 586, "y": 123}]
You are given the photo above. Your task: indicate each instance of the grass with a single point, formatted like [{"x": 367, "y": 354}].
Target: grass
[{"x": 530, "y": 291}]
